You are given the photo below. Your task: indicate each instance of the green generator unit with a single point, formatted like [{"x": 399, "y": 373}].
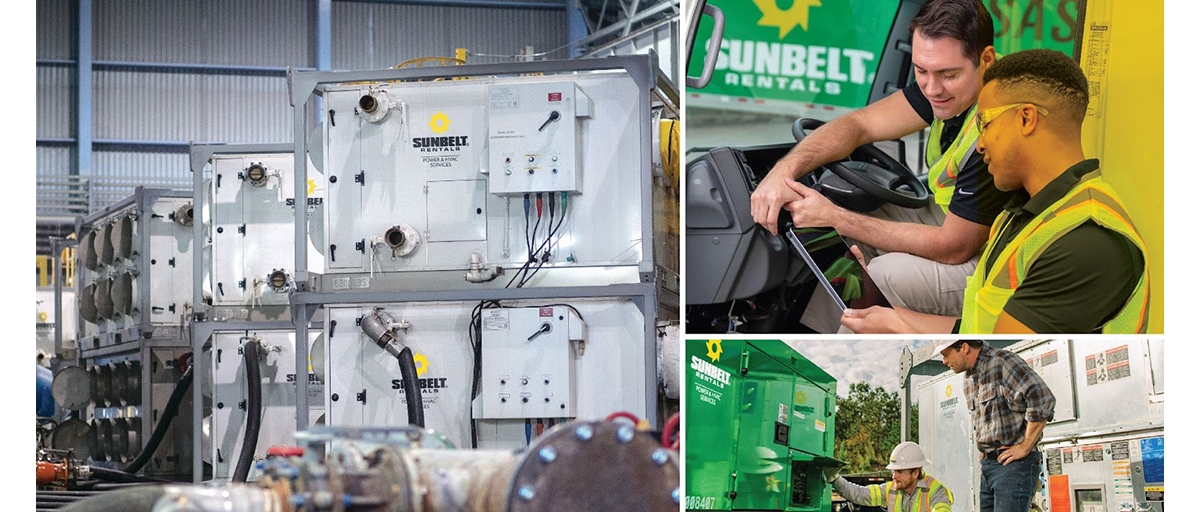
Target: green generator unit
[{"x": 759, "y": 428}]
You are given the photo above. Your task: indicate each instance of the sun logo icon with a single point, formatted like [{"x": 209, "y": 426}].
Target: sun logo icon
[
  {"x": 785, "y": 20},
  {"x": 714, "y": 353},
  {"x": 439, "y": 122},
  {"x": 949, "y": 391},
  {"x": 421, "y": 362}
]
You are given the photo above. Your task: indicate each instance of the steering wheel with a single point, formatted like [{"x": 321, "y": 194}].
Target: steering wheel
[{"x": 873, "y": 171}]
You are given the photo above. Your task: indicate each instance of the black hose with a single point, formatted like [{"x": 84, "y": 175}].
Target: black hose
[
  {"x": 118, "y": 476},
  {"x": 408, "y": 371},
  {"x": 253, "y": 411},
  {"x": 164, "y": 423}
]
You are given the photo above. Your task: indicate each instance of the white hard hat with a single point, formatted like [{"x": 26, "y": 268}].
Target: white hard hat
[
  {"x": 907, "y": 455},
  {"x": 940, "y": 345}
]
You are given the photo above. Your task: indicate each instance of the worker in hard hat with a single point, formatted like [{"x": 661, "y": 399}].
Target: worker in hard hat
[{"x": 911, "y": 489}]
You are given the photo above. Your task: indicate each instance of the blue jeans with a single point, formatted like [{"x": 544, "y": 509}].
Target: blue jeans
[{"x": 1008, "y": 488}]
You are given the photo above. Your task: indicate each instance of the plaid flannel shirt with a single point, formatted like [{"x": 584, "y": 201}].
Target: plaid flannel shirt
[{"x": 1003, "y": 393}]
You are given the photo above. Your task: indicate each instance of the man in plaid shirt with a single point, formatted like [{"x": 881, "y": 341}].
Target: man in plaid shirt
[{"x": 1010, "y": 405}]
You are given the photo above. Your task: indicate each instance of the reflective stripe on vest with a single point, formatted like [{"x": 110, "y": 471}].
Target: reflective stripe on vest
[
  {"x": 988, "y": 290},
  {"x": 944, "y": 166},
  {"x": 921, "y": 498}
]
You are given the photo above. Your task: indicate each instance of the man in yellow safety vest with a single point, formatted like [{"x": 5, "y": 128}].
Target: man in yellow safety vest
[
  {"x": 911, "y": 490},
  {"x": 1064, "y": 256},
  {"x": 919, "y": 258}
]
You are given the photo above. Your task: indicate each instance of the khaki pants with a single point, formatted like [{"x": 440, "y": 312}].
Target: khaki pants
[{"x": 908, "y": 281}]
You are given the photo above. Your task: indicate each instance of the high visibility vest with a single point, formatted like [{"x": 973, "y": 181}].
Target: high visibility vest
[
  {"x": 1091, "y": 199},
  {"x": 883, "y": 495},
  {"x": 945, "y": 165}
]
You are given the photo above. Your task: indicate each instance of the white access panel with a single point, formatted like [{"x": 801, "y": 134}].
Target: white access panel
[
  {"x": 947, "y": 437},
  {"x": 430, "y": 169},
  {"x": 533, "y": 132},
  {"x": 1052, "y": 361},
  {"x": 170, "y": 262},
  {"x": 229, "y": 393},
  {"x": 252, "y": 227},
  {"x": 365, "y": 386},
  {"x": 610, "y": 375}
]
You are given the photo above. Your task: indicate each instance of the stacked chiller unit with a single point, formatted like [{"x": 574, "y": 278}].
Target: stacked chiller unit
[
  {"x": 1104, "y": 450},
  {"x": 246, "y": 228},
  {"x": 134, "y": 295},
  {"x": 499, "y": 221}
]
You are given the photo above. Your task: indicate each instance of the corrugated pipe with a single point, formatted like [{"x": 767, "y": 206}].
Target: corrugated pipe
[
  {"x": 408, "y": 371},
  {"x": 164, "y": 423},
  {"x": 253, "y": 411}
]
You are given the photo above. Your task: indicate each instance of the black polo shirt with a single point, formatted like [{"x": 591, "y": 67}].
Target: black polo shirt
[
  {"x": 976, "y": 197},
  {"x": 1082, "y": 279}
]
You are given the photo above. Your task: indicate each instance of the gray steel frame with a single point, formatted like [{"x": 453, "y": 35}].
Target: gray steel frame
[
  {"x": 202, "y": 330},
  {"x": 303, "y": 85},
  {"x": 141, "y": 199}
]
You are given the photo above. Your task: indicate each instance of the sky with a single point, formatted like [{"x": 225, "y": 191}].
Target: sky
[{"x": 874, "y": 361}]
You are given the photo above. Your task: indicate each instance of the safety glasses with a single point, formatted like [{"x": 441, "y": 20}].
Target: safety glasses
[{"x": 985, "y": 117}]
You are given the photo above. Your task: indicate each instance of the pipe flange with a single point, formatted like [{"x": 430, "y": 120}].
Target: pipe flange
[
  {"x": 279, "y": 281},
  {"x": 403, "y": 239},
  {"x": 184, "y": 215},
  {"x": 601, "y": 465},
  {"x": 374, "y": 106},
  {"x": 256, "y": 174}
]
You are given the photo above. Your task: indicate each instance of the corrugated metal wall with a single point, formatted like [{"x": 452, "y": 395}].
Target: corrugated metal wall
[
  {"x": 211, "y": 103},
  {"x": 373, "y": 36}
]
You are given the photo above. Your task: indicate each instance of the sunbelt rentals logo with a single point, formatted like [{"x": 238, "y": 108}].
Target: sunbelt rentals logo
[
  {"x": 439, "y": 124},
  {"x": 814, "y": 59},
  {"x": 428, "y": 386}
]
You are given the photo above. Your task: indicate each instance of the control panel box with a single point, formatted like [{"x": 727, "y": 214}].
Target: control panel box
[
  {"x": 528, "y": 369},
  {"x": 534, "y": 137}
]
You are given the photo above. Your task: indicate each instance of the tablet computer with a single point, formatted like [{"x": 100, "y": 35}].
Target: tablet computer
[{"x": 836, "y": 268}]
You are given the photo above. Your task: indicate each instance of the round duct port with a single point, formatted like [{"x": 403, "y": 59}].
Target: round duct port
[
  {"x": 122, "y": 294},
  {"x": 103, "y": 298},
  {"x": 104, "y": 440},
  {"x": 71, "y": 387},
  {"x": 367, "y": 104},
  {"x": 183, "y": 216},
  {"x": 374, "y": 106},
  {"x": 75, "y": 435},
  {"x": 87, "y": 304},
  {"x": 279, "y": 281},
  {"x": 402, "y": 239},
  {"x": 121, "y": 238},
  {"x": 256, "y": 174},
  {"x": 87, "y": 251},
  {"x": 103, "y": 245}
]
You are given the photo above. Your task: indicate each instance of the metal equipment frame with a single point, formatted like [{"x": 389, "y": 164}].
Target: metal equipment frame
[{"x": 307, "y": 296}]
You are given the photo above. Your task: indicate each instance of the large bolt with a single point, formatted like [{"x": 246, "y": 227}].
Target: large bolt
[
  {"x": 625, "y": 433},
  {"x": 675, "y": 495},
  {"x": 583, "y": 432},
  {"x": 659, "y": 456},
  {"x": 526, "y": 492},
  {"x": 548, "y": 454}
]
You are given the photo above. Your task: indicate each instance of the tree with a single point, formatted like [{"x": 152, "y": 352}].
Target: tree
[{"x": 868, "y": 427}]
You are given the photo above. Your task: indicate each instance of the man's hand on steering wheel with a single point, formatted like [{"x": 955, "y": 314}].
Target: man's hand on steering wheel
[{"x": 771, "y": 194}]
